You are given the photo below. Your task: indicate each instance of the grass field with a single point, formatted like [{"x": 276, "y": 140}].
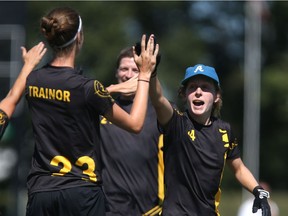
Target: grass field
[{"x": 231, "y": 200}]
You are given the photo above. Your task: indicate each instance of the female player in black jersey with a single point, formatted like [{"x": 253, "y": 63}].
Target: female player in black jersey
[
  {"x": 197, "y": 144},
  {"x": 132, "y": 163},
  {"x": 65, "y": 177},
  {"x": 8, "y": 104}
]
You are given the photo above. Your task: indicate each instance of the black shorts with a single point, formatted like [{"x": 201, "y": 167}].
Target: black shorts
[{"x": 79, "y": 201}]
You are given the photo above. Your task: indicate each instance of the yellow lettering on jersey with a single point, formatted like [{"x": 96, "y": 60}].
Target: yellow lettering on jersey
[
  {"x": 192, "y": 134},
  {"x": 48, "y": 93},
  {"x": 225, "y": 138}
]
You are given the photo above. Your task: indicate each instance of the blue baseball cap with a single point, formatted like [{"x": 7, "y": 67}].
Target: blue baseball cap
[{"x": 200, "y": 69}]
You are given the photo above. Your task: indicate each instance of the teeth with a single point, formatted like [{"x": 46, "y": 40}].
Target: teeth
[{"x": 198, "y": 103}]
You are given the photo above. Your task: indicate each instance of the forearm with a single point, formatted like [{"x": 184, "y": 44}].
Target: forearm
[
  {"x": 161, "y": 104},
  {"x": 246, "y": 179},
  {"x": 9, "y": 103},
  {"x": 243, "y": 175},
  {"x": 18, "y": 87},
  {"x": 133, "y": 121},
  {"x": 121, "y": 88},
  {"x": 139, "y": 107}
]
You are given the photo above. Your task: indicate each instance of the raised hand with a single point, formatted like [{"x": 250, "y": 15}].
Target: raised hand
[
  {"x": 146, "y": 61},
  {"x": 34, "y": 55}
]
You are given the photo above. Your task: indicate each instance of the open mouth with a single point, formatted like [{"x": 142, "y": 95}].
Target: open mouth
[{"x": 198, "y": 103}]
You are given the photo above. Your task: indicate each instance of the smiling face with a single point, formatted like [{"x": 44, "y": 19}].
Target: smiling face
[
  {"x": 126, "y": 70},
  {"x": 201, "y": 94}
]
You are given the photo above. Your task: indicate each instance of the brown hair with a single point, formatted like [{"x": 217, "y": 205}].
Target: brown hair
[
  {"x": 216, "y": 109},
  {"x": 124, "y": 53},
  {"x": 59, "y": 27}
]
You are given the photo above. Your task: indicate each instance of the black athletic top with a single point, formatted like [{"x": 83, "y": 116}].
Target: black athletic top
[
  {"x": 132, "y": 166},
  {"x": 65, "y": 109},
  {"x": 194, "y": 157},
  {"x": 3, "y": 122}
]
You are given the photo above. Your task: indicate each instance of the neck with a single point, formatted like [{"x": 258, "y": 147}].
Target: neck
[
  {"x": 66, "y": 60},
  {"x": 203, "y": 120}
]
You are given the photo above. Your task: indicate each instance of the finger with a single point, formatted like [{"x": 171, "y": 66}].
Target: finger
[
  {"x": 150, "y": 44},
  {"x": 134, "y": 51},
  {"x": 157, "y": 47},
  {"x": 266, "y": 211},
  {"x": 43, "y": 51},
  {"x": 254, "y": 210},
  {"x": 41, "y": 48},
  {"x": 143, "y": 43},
  {"x": 24, "y": 51}
]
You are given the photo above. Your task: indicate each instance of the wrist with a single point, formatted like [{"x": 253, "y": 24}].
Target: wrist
[
  {"x": 259, "y": 192},
  {"x": 144, "y": 76},
  {"x": 28, "y": 66}
]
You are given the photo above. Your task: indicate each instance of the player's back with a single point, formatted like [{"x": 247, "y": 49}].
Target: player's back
[{"x": 65, "y": 114}]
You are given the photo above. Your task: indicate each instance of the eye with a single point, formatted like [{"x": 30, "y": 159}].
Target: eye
[
  {"x": 135, "y": 70},
  {"x": 207, "y": 87},
  {"x": 192, "y": 87}
]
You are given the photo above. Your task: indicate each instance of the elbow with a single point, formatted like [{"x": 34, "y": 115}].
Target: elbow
[{"x": 137, "y": 129}]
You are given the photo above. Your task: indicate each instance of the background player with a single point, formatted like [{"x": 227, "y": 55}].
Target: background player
[
  {"x": 8, "y": 104},
  {"x": 197, "y": 144},
  {"x": 65, "y": 175},
  {"x": 132, "y": 163}
]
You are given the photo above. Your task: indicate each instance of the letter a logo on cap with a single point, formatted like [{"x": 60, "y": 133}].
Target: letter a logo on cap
[{"x": 199, "y": 68}]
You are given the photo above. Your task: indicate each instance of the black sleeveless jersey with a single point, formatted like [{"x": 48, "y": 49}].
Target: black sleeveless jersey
[
  {"x": 65, "y": 109},
  {"x": 133, "y": 166},
  {"x": 3, "y": 122},
  {"x": 194, "y": 157}
]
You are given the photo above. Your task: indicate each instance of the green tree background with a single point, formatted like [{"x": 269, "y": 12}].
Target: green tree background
[{"x": 188, "y": 32}]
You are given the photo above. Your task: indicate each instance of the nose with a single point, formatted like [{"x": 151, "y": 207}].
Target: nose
[
  {"x": 129, "y": 73},
  {"x": 198, "y": 90}
]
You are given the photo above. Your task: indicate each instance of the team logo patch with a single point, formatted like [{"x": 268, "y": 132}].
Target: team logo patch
[
  {"x": 3, "y": 117},
  {"x": 199, "y": 68},
  {"x": 100, "y": 89}
]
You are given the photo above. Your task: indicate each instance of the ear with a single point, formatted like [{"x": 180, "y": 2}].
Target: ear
[{"x": 217, "y": 98}]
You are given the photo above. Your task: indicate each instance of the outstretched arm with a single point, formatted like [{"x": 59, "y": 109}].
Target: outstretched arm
[
  {"x": 247, "y": 180},
  {"x": 146, "y": 62},
  {"x": 127, "y": 88},
  {"x": 31, "y": 59},
  {"x": 163, "y": 107}
]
